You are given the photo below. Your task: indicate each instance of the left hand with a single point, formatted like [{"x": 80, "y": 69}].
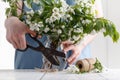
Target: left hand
[{"x": 76, "y": 50}]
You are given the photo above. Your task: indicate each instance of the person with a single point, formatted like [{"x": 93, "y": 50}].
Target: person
[{"x": 16, "y": 34}]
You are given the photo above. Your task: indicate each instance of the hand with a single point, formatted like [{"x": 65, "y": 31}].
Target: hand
[
  {"x": 76, "y": 50},
  {"x": 16, "y": 31}
]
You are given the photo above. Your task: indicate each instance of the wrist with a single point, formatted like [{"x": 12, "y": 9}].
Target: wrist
[{"x": 81, "y": 44}]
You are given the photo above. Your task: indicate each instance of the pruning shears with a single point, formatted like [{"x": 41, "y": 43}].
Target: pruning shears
[{"x": 49, "y": 53}]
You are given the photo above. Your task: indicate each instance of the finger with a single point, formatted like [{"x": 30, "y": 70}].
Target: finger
[
  {"x": 72, "y": 58},
  {"x": 13, "y": 43},
  {"x": 72, "y": 61},
  {"x": 31, "y": 32},
  {"x": 39, "y": 36},
  {"x": 69, "y": 42},
  {"x": 16, "y": 42},
  {"x": 66, "y": 43},
  {"x": 22, "y": 42}
]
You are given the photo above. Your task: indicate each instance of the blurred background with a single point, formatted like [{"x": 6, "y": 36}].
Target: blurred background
[{"x": 102, "y": 48}]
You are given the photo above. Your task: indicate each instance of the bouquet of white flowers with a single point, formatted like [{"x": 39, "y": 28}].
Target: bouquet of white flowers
[{"x": 60, "y": 21}]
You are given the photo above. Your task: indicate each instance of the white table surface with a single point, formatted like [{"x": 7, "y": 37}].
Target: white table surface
[{"x": 36, "y": 75}]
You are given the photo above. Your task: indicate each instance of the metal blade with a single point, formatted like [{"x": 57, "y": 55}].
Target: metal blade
[
  {"x": 55, "y": 52},
  {"x": 51, "y": 58}
]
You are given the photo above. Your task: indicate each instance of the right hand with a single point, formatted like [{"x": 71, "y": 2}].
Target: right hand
[{"x": 15, "y": 32}]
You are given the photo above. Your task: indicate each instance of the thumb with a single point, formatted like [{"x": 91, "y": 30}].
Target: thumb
[{"x": 31, "y": 32}]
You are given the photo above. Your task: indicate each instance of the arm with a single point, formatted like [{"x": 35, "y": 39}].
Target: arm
[
  {"x": 89, "y": 38},
  {"x": 16, "y": 30},
  {"x": 76, "y": 49}
]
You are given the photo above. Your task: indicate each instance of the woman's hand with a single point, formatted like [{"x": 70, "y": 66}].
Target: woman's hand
[
  {"x": 76, "y": 50},
  {"x": 15, "y": 32}
]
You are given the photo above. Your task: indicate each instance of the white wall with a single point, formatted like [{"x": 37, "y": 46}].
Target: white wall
[
  {"x": 114, "y": 49},
  {"x": 99, "y": 44},
  {"x": 107, "y": 51},
  {"x": 6, "y": 50}
]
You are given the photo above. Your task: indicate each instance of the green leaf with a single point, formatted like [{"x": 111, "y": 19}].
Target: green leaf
[
  {"x": 98, "y": 24},
  {"x": 98, "y": 65},
  {"x": 7, "y": 11}
]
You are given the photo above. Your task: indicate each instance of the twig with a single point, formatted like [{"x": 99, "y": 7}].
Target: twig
[{"x": 43, "y": 75}]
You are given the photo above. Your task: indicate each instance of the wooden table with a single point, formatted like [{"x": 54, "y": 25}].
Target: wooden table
[{"x": 113, "y": 74}]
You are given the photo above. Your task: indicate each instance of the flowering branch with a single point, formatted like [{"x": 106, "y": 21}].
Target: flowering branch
[{"x": 69, "y": 22}]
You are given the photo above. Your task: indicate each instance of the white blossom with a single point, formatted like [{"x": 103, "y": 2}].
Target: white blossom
[
  {"x": 69, "y": 9},
  {"x": 47, "y": 20},
  {"x": 72, "y": 69},
  {"x": 55, "y": 10},
  {"x": 62, "y": 10},
  {"x": 87, "y": 21},
  {"x": 87, "y": 11},
  {"x": 93, "y": 10},
  {"x": 82, "y": 5},
  {"x": 64, "y": 4},
  {"x": 56, "y": 15},
  {"x": 40, "y": 24},
  {"x": 80, "y": 10},
  {"x": 88, "y": 5},
  {"x": 40, "y": 12},
  {"x": 68, "y": 16},
  {"x": 81, "y": 18},
  {"x": 36, "y": 1},
  {"x": 37, "y": 29},
  {"x": 83, "y": 1},
  {"x": 46, "y": 29},
  {"x": 28, "y": 22},
  {"x": 75, "y": 37},
  {"x": 34, "y": 27},
  {"x": 83, "y": 21},
  {"x": 62, "y": 26},
  {"x": 52, "y": 19},
  {"x": 31, "y": 12},
  {"x": 28, "y": 17},
  {"x": 78, "y": 30},
  {"x": 27, "y": 5},
  {"x": 71, "y": 18},
  {"x": 53, "y": 25},
  {"x": 59, "y": 31}
]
